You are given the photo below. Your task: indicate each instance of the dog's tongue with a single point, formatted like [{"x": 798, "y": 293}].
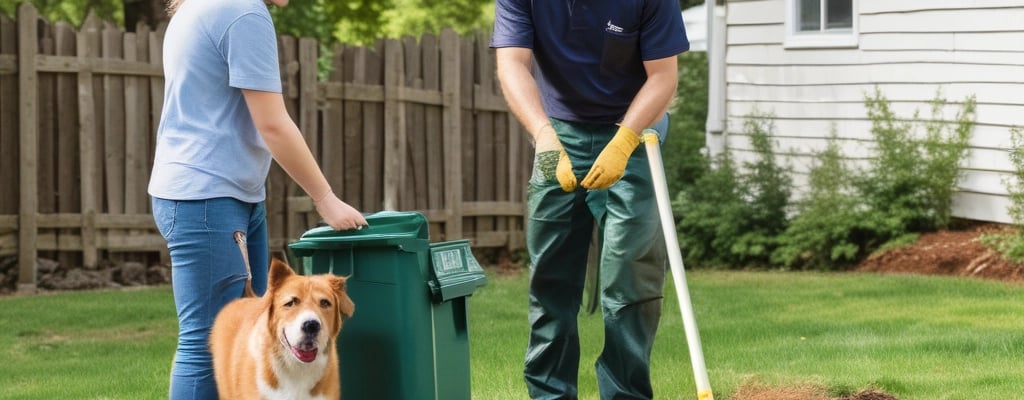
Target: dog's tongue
[{"x": 306, "y": 356}]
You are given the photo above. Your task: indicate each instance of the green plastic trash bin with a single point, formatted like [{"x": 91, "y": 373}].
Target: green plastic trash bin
[{"x": 409, "y": 337}]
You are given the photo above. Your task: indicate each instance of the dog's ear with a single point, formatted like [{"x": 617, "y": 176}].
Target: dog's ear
[
  {"x": 279, "y": 271},
  {"x": 345, "y": 306}
]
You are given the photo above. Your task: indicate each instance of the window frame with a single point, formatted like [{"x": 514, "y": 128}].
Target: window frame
[{"x": 836, "y": 38}]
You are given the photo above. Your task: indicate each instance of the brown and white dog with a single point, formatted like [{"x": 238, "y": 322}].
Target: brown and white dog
[{"x": 282, "y": 345}]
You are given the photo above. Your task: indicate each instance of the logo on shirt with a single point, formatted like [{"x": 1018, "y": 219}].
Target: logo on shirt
[{"x": 613, "y": 28}]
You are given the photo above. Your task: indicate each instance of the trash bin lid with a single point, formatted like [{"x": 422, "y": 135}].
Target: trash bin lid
[
  {"x": 456, "y": 273},
  {"x": 407, "y": 230}
]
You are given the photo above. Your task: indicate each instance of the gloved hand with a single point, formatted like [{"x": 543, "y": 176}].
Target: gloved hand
[
  {"x": 611, "y": 163},
  {"x": 547, "y": 142}
]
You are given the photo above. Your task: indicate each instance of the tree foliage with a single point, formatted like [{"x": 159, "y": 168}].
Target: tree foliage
[
  {"x": 364, "y": 21},
  {"x": 72, "y": 11},
  {"x": 348, "y": 21}
]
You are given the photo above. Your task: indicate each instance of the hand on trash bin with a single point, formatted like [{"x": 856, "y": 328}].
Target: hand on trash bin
[{"x": 338, "y": 214}]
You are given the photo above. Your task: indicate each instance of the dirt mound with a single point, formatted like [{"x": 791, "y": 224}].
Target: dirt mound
[
  {"x": 870, "y": 394},
  {"x": 948, "y": 252}
]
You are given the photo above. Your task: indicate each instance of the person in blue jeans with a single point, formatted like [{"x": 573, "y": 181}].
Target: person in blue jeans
[
  {"x": 584, "y": 77},
  {"x": 223, "y": 121}
]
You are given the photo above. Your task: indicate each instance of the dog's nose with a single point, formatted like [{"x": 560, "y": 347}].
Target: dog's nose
[{"x": 311, "y": 327}]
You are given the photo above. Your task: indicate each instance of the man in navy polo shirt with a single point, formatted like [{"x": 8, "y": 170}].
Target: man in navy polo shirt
[{"x": 584, "y": 77}]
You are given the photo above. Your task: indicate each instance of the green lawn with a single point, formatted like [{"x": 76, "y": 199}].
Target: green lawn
[{"x": 915, "y": 337}]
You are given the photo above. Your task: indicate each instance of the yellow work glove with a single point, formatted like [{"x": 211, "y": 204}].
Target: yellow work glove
[
  {"x": 547, "y": 142},
  {"x": 611, "y": 163}
]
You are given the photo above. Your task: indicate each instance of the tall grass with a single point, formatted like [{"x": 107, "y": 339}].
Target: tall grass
[{"x": 915, "y": 337}]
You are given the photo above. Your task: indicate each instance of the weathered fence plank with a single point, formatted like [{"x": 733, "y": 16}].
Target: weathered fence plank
[
  {"x": 416, "y": 149},
  {"x": 28, "y": 141},
  {"x": 332, "y": 151},
  {"x": 308, "y": 115},
  {"x": 395, "y": 135},
  {"x": 9, "y": 120},
  {"x": 67, "y": 153},
  {"x": 451, "y": 60},
  {"x": 133, "y": 153},
  {"x": 373, "y": 129},
  {"x": 352, "y": 137},
  {"x": 434, "y": 133},
  {"x": 114, "y": 123},
  {"x": 469, "y": 127},
  {"x": 46, "y": 126},
  {"x": 487, "y": 158},
  {"x": 87, "y": 47}
]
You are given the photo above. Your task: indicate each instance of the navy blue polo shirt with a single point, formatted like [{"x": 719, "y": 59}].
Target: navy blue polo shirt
[{"x": 588, "y": 54}]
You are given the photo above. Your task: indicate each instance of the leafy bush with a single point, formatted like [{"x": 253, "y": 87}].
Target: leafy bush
[
  {"x": 733, "y": 215},
  {"x": 908, "y": 188},
  {"x": 830, "y": 229},
  {"x": 911, "y": 180},
  {"x": 1011, "y": 245},
  {"x": 737, "y": 215}
]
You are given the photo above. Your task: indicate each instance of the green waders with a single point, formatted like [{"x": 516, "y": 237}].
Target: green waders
[{"x": 632, "y": 270}]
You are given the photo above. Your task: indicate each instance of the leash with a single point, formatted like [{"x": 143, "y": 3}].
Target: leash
[{"x": 242, "y": 245}]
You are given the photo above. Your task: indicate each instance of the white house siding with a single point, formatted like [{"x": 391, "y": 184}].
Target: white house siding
[{"x": 910, "y": 50}]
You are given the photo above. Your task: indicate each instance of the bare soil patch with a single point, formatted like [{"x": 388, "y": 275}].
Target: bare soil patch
[{"x": 757, "y": 391}]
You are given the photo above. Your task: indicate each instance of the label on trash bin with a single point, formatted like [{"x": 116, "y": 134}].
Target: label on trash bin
[
  {"x": 456, "y": 272},
  {"x": 447, "y": 261}
]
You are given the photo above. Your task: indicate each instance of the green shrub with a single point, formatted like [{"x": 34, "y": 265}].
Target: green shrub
[
  {"x": 945, "y": 145},
  {"x": 830, "y": 229},
  {"x": 1011, "y": 245},
  {"x": 733, "y": 215},
  {"x": 908, "y": 188},
  {"x": 708, "y": 212},
  {"x": 1016, "y": 187},
  {"x": 911, "y": 180},
  {"x": 737, "y": 215}
]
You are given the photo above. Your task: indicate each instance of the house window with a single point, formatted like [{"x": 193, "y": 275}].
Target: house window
[{"x": 821, "y": 23}]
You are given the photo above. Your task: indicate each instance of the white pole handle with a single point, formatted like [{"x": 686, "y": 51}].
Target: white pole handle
[{"x": 675, "y": 258}]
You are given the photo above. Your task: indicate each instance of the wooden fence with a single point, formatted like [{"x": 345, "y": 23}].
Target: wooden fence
[{"x": 403, "y": 125}]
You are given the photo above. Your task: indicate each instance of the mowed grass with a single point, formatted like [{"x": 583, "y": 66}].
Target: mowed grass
[
  {"x": 87, "y": 345},
  {"x": 914, "y": 337}
]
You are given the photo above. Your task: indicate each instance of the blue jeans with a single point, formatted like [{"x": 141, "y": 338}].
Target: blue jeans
[{"x": 207, "y": 272}]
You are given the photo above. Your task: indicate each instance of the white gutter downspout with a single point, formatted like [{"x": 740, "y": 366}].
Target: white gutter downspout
[{"x": 716, "y": 122}]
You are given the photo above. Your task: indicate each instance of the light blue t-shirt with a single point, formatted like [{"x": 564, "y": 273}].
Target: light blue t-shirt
[{"x": 207, "y": 145}]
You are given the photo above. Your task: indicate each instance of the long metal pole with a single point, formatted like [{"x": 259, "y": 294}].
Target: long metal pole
[{"x": 675, "y": 257}]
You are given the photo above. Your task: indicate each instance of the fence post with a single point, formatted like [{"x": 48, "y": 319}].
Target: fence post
[
  {"x": 451, "y": 124},
  {"x": 29, "y": 147}
]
